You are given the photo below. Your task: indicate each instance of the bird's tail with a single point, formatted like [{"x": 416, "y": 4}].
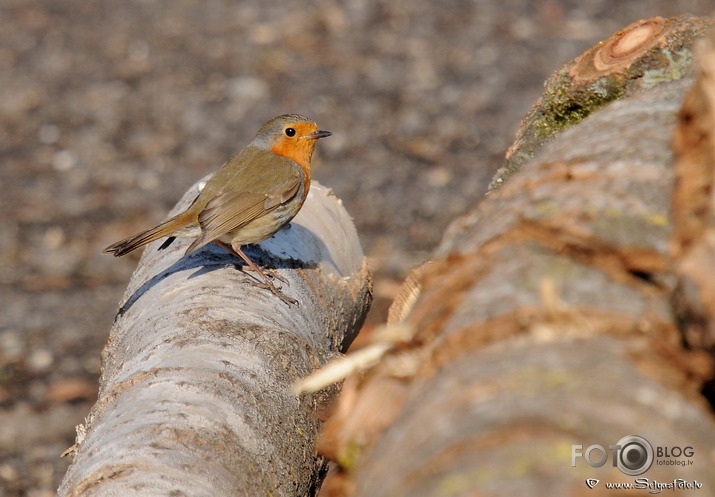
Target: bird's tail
[{"x": 166, "y": 228}]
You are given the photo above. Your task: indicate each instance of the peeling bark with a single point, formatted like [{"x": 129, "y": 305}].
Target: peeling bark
[
  {"x": 694, "y": 208},
  {"x": 195, "y": 392}
]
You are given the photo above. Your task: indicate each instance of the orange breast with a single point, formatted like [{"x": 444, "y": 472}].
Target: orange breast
[{"x": 298, "y": 149}]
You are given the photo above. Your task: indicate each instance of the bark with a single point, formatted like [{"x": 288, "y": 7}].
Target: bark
[
  {"x": 195, "y": 392},
  {"x": 546, "y": 320}
]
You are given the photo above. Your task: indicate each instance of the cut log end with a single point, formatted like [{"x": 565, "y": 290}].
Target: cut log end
[{"x": 620, "y": 50}]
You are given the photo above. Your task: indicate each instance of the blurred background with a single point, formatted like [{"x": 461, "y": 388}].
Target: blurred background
[{"x": 109, "y": 111}]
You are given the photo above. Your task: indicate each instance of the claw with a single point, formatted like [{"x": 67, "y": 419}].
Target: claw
[{"x": 277, "y": 276}]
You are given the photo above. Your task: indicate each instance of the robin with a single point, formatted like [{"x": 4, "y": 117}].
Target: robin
[{"x": 249, "y": 198}]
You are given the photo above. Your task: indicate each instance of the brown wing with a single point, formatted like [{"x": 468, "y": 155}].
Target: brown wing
[
  {"x": 238, "y": 204},
  {"x": 257, "y": 171}
]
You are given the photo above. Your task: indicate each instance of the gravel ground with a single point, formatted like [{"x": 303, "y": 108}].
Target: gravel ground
[{"x": 110, "y": 110}]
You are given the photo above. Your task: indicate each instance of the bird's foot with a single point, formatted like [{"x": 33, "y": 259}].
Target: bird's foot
[
  {"x": 275, "y": 291},
  {"x": 275, "y": 275},
  {"x": 270, "y": 273}
]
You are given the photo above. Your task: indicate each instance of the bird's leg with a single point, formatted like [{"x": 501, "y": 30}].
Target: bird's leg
[
  {"x": 251, "y": 265},
  {"x": 267, "y": 284}
]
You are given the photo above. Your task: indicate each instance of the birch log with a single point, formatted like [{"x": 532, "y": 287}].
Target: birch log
[
  {"x": 195, "y": 392},
  {"x": 546, "y": 321}
]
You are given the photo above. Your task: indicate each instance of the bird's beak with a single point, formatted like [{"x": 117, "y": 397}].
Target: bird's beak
[{"x": 321, "y": 133}]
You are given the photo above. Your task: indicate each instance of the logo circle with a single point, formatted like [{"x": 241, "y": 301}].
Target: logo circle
[{"x": 635, "y": 456}]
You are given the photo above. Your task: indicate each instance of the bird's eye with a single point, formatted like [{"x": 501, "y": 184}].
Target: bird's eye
[{"x": 290, "y": 132}]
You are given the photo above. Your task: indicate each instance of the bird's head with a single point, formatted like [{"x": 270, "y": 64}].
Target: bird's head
[{"x": 292, "y": 136}]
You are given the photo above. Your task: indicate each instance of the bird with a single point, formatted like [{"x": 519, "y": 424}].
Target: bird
[{"x": 251, "y": 197}]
